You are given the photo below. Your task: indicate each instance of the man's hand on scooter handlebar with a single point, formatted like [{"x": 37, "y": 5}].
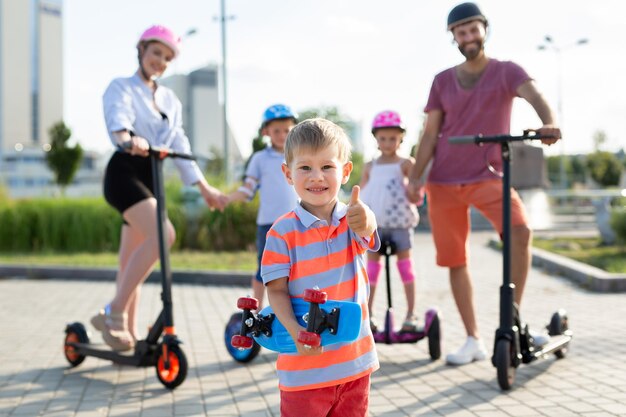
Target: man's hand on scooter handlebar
[{"x": 549, "y": 130}]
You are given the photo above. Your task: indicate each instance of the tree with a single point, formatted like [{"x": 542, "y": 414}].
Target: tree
[
  {"x": 553, "y": 165},
  {"x": 63, "y": 160},
  {"x": 604, "y": 168},
  {"x": 579, "y": 170},
  {"x": 331, "y": 113},
  {"x": 599, "y": 139}
]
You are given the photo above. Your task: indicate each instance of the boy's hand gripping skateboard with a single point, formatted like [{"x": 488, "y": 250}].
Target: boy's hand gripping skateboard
[{"x": 326, "y": 322}]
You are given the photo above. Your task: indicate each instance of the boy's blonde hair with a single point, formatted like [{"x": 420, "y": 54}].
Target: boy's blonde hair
[{"x": 316, "y": 134}]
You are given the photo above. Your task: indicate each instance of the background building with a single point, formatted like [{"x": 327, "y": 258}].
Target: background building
[
  {"x": 31, "y": 88},
  {"x": 202, "y": 114}
]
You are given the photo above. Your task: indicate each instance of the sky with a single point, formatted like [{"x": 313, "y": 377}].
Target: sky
[{"x": 362, "y": 56}]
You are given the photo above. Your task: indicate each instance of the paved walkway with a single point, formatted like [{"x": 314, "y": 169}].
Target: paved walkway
[{"x": 35, "y": 379}]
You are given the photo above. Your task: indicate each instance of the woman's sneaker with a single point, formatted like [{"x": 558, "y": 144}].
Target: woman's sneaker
[{"x": 472, "y": 350}]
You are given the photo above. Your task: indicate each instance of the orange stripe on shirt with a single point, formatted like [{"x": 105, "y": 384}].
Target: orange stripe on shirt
[
  {"x": 296, "y": 238},
  {"x": 321, "y": 264},
  {"x": 328, "y": 358},
  {"x": 272, "y": 258},
  {"x": 342, "y": 291}
]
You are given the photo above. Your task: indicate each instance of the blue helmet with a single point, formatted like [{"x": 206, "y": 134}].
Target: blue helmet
[{"x": 278, "y": 111}]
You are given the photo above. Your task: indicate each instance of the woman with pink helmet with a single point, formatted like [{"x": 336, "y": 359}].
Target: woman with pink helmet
[
  {"x": 140, "y": 113},
  {"x": 383, "y": 190}
]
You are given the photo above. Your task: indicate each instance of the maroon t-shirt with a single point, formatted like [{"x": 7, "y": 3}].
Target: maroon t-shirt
[{"x": 484, "y": 109}]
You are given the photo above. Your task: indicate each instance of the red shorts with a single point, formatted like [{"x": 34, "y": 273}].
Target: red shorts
[
  {"x": 345, "y": 400},
  {"x": 448, "y": 212}
]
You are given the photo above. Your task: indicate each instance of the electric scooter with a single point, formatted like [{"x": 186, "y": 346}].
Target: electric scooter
[
  {"x": 431, "y": 328},
  {"x": 164, "y": 353},
  {"x": 513, "y": 343}
]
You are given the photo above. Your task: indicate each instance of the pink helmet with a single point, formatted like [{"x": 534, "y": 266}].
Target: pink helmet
[
  {"x": 164, "y": 35},
  {"x": 387, "y": 118}
]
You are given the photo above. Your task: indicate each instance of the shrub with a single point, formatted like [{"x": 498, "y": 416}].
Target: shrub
[
  {"x": 234, "y": 229},
  {"x": 618, "y": 224},
  {"x": 91, "y": 225},
  {"x": 58, "y": 225}
]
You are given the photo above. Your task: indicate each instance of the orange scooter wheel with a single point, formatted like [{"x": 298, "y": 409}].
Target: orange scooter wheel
[
  {"x": 74, "y": 333},
  {"x": 173, "y": 373}
]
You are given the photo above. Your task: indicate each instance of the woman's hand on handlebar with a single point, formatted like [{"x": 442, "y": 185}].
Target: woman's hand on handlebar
[
  {"x": 549, "y": 130},
  {"x": 139, "y": 146}
]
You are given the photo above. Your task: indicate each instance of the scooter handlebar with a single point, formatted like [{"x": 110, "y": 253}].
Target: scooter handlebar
[
  {"x": 460, "y": 140},
  {"x": 529, "y": 134},
  {"x": 161, "y": 153}
]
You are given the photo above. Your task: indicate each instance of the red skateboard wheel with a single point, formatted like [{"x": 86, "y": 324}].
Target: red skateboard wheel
[
  {"x": 241, "y": 342},
  {"x": 248, "y": 303},
  {"x": 309, "y": 338},
  {"x": 315, "y": 296}
]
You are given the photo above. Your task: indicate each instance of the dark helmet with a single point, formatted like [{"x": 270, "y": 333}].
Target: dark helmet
[{"x": 463, "y": 13}]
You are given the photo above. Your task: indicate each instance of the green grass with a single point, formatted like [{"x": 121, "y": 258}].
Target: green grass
[
  {"x": 180, "y": 260},
  {"x": 588, "y": 250}
]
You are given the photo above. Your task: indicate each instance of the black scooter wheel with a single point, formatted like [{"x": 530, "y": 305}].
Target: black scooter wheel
[
  {"x": 74, "y": 333},
  {"x": 558, "y": 325},
  {"x": 504, "y": 364},
  {"x": 176, "y": 373},
  {"x": 233, "y": 327},
  {"x": 434, "y": 339}
]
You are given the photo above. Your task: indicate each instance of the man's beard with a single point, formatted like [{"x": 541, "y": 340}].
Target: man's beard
[{"x": 470, "y": 54}]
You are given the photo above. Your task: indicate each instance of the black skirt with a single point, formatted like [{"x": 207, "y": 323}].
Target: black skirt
[{"x": 127, "y": 180}]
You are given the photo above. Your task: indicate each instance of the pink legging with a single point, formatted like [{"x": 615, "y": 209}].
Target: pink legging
[{"x": 405, "y": 267}]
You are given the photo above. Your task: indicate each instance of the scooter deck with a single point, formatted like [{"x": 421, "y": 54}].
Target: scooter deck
[{"x": 349, "y": 325}]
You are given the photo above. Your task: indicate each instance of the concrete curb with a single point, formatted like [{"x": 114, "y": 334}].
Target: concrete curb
[
  {"x": 231, "y": 278},
  {"x": 587, "y": 276}
]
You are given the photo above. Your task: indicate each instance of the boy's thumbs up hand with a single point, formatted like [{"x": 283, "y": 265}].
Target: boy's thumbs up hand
[
  {"x": 360, "y": 218},
  {"x": 354, "y": 198}
]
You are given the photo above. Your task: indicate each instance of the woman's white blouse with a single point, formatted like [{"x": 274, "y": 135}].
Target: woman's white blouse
[{"x": 128, "y": 105}]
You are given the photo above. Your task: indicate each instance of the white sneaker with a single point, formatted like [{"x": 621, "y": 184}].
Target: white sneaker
[
  {"x": 472, "y": 350},
  {"x": 540, "y": 338}
]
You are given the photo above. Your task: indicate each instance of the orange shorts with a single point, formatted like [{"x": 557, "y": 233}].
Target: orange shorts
[{"x": 449, "y": 209}]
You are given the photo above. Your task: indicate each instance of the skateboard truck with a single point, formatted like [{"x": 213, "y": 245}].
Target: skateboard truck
[
  {"x": 317, "y": 320},
  {"x": 251, "y": 323}
]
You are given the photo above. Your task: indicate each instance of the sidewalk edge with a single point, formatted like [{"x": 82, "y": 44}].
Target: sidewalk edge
[
  {"x": 587, "y": 276},
  {"x": 231, "y": 278}
]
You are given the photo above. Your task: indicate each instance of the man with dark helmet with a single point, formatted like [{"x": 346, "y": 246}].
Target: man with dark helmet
[{"x": 474, "y": 97}]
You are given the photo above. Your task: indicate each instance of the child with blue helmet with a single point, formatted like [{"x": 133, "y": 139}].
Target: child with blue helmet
[{"x": 264, "y": 174}]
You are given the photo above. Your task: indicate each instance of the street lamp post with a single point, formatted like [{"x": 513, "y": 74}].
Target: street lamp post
[
  {"x": 223, "y": 18},
  {"x": 549, "y": 44}
]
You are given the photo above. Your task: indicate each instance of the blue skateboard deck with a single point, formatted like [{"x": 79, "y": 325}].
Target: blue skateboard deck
[{"x": 348, "y": 329}]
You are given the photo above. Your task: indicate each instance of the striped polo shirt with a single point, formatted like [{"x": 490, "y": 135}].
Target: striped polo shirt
[{"x": 312, "y": 253}]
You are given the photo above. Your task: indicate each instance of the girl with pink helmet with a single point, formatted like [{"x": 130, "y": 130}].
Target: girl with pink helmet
[
  {"x": 140, "y": 113},
  {"x": 383, "y": 185}
]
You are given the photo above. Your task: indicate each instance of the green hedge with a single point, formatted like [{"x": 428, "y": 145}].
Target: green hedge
[
  {"x": 91, "y": 225},
  {"x": 618, "y": 223}
]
